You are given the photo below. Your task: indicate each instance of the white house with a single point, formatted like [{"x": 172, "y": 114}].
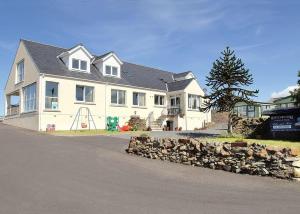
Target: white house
[{"x": 48, "y": 85}]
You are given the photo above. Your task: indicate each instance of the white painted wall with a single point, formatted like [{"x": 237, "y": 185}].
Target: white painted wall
[{"x": 100, "y": 109}]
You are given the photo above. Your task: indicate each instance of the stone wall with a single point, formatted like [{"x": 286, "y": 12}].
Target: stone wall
[{"x": 239, "y": 157}]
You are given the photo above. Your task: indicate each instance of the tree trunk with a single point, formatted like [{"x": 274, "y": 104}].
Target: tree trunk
[{"x": 229, "y": 128}]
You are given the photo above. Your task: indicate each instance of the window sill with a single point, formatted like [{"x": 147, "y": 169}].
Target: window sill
[
  {"x": 113, "y": 76},
  {"x": 85, "y": 103},
  {"x": 51, "y": 110},
  {"x": 117, "y": 105},
  {"x": 196, "y": 110},
  {"x": 78, "y": 70},
  {"x": 28, "y": 112},
  {"x": 19, "y": 83},
  {"x": 142, "y": 107},
  {"x": 159, "y": 106}
]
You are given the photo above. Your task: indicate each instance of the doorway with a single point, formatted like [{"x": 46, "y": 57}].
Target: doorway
[{"x": 170, "y": 125}]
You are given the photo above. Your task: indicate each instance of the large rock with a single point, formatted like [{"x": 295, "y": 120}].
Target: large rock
[
  {"x": 296, "y": 164},
  {"x": 296, "y": 172}
]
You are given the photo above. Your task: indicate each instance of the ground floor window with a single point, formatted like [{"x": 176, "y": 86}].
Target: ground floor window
[
  {"x": 139, "y": 99},
  {"x": 84, "y": 93},
  {"x": 51, "y": 99},
  {"x": 245, "y": 111},
  {"x": 118, "y": 97},
  {"x": 193, "y": 101},
  {"x": 159, "y": 100},
  {"x": 29, "y": 98},
  {"x": 251, "y": 111}
]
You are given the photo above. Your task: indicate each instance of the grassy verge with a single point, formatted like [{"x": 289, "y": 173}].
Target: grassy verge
[
  {"x": 279, "y": 143},
  {"x": 94, "y": 132}
]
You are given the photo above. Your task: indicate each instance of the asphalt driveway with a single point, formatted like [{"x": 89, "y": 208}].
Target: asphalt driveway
[{"x": 42, "y": 174}]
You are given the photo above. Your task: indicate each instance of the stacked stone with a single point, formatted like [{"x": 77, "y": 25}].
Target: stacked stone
[{"x": 238, "y": 157}]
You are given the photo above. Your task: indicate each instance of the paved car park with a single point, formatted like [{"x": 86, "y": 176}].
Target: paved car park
[{"x": 45, "y": 174}]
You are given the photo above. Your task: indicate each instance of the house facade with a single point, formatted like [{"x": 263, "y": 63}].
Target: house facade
[{"x": 49, "y": 86}]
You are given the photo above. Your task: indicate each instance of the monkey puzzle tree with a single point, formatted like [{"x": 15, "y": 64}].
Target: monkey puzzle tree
[
  {"x": 296, "y": 92},
  {"x": 227, "y": 81}
]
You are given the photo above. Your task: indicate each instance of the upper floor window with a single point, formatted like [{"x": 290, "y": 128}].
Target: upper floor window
[
  {"x": 175, "y": 102},
  {"x": 84, "y": 93},
  {"x": 20, "y": 71},
  {"x": 139, "y": 99},
  {"x": 79, "y": 64},
  {"x": 111, "y": 70},
  {"x": 159, "y": 100},
  {"x": 118, "y": 97},
  {"x": 29, "y": 93},
  {"x": 193, "y": 101},
  {"x": 51, "y": 99}
]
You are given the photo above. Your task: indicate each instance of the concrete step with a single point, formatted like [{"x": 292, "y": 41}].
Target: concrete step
[{"x": 156, "y": 129}]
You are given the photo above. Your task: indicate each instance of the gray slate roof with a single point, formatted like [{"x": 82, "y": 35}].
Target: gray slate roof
[
  {"x": 45, "y": 57},
  {"x": 179, "y": 85},
  {"x": 183, "y": 74}
]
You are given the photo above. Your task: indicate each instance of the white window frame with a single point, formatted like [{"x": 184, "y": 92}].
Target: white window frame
[
  {"x": 26, "y": 100},
  {"x": 118, "y": 91},
  {"x": 194, "y": 98},
  {"x": 84, "y": 95},
  {"x": 111, "y": 70},
  {"x": 159, "y": 100},
  {"x": 52, "y": 97},
  {"x": 79, "y": 65},
  {"x": 177, "y": 105},
  {"x": 20, "y": 76},
  {"x": 138, "y": 99}
]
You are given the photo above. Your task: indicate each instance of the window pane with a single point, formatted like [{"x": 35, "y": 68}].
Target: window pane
[
  {"x": 135, "y": 98},
  {"x": 177, "y": 101},
  {"x": 190, "y": 101},
  {"x": 172, "y": 101},
  {"x": 51, "y": 89},
  {"x": 156, "y": 99},
  {"x": 30, "y": 98},
  {"x": 89, "y": 94},
  {"x": 115, "y": 71},
  {"x": 83, "y": 65},
  {"x": 51, "y": 103},
  {"x": 108, "y": 70},
  {"x": 121, "y": 97},
  {"x": 20, "y": 71},
  {"x": 79, "y": 93},
  {"x": 114, "y": 96},
  {"x": 142, "y": 99},
  {"x": 162, "y": 100},
  {"x": 75, "y": 63}
]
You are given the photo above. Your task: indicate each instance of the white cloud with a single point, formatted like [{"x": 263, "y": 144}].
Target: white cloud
[{"x": 285, "y": 92}]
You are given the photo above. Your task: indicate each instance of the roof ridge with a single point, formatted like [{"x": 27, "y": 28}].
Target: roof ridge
[
  {"x": 158, "y": 69},
  {"x": 28, "y": 40}
]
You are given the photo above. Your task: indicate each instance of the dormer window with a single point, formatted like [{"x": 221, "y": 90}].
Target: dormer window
[
  {"x": 79, "y": 64},
  {"x": 111, "y": 70},
  {"x": 77, "y": 58}
]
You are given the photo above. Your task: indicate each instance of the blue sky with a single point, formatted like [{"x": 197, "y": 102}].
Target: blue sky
[{"x": 173, "y": 35}]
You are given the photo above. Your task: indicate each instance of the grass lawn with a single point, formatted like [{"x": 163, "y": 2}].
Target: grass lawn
[
  {"x": 279, "y": 143},
  {"x": 94, "y": 132}
]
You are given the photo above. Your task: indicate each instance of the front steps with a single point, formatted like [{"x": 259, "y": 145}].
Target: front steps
[{"x": 155, "y": 126}]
